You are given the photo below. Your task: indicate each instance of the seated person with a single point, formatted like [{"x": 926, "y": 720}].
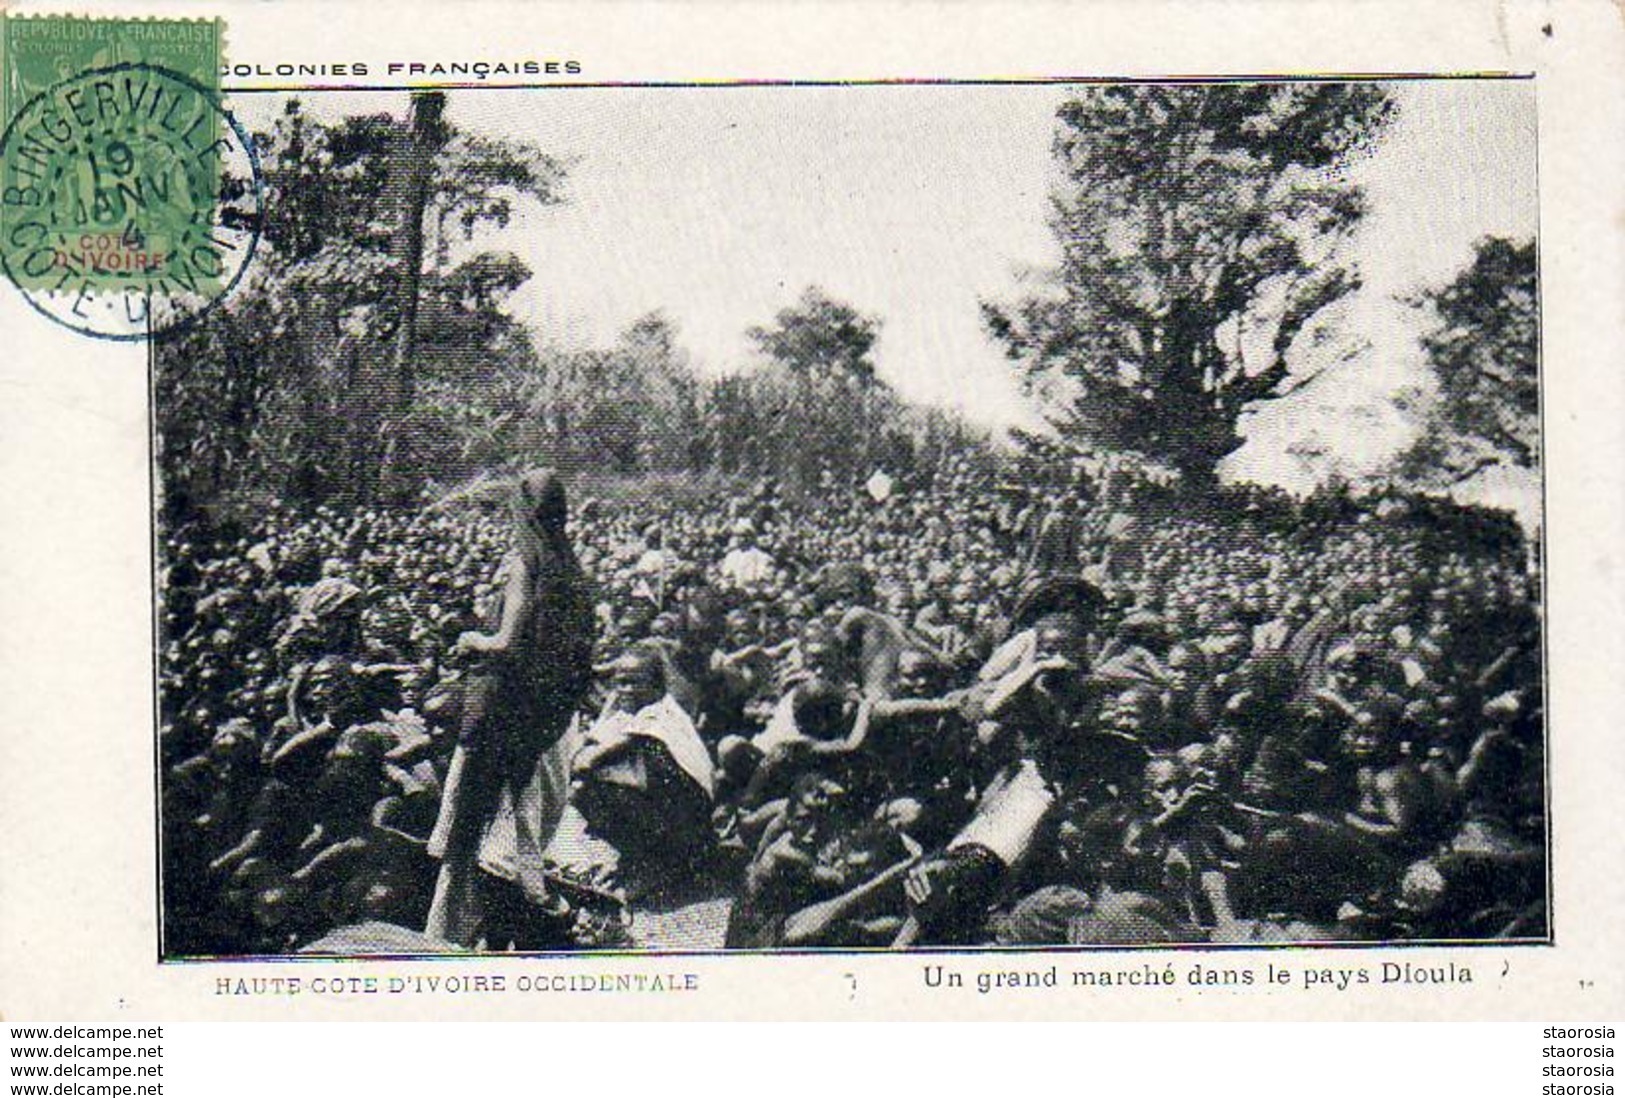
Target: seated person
[
  {"x": 642, "y": 779},
  {"x": 1042, "y": 727},
  {"x": 340, "y": 857},
  {"x": 860, "y": 875},
  {"x": 1136, "y": 651},
  {"x": 831, "y": 724},
  {"x": 948, "y": 622},
  {"x": 743, "y": 654},
  {"x": 324, "y": 701},
  {"x": 1393, "y": 803},
  {"x": 919, "y": 748},
  {"x": 950, "y": 892},
  {"x": 1180, "y": 841},
  {"x": 1045, "y": 711},
  {"x": 1315, "y": 863},
  {"x": 220, "y": 780},
  {"x": 327, "y": 619},
  {"x": 1136, "y": 714},
  {"x": 874, "y": 638},
  {"x": 1189, "y": 694},
  {"x": 780, "y": 878}
]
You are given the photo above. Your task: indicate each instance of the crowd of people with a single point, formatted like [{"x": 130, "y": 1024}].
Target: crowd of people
[{"x": 961, "y": 709}]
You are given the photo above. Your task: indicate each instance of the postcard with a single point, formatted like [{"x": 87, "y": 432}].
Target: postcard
[{"x": 810, "y": 511}]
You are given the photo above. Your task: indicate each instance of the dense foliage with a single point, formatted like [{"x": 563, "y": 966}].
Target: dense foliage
[
  {"x": 1484, "y": 350},
  {"x": 1185, "y": 216},
  {"x": 300, "y": 389}
]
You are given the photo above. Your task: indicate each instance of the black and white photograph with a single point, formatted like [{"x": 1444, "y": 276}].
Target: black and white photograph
[{"x": 860, "y": 516}]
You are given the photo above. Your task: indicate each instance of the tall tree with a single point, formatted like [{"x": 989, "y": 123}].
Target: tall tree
[
  {"x": 1484, "y": 351},
  {"x": 409, "y": 183},
  {"x": 669, "y": 433},
  {"x": 819, "y": 354},
  {"x": 821, "y": 339},
  {"x": 296, "y": 386},
  {"x": 1188, "y": 217}
]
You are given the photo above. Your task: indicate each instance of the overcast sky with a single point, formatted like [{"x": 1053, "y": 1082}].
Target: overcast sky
[{"x": 718, "y": 205}]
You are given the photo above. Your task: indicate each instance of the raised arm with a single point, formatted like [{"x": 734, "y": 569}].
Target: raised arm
[
  {"x": 853, "y": 739},
  {"x": 887, "y": 708},
  {"x": 238, "y": 854},
  {"x": 1010, "y": 687},
  {"x": 810, "y": 924}
]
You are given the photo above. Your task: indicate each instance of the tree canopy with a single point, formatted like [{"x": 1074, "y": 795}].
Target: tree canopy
[
  {"x": 1190, "y": 220},
  {"x": 821, "y": 339},
  {"x": 304, "y": 387},
  {"x": 295, "y": 386},
  {"x": 1484, "y": 348}
]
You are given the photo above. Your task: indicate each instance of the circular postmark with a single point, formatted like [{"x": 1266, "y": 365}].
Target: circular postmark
[{"x": 130, "y": 201}]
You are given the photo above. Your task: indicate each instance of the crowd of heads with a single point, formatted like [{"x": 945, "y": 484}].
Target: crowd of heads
[{"x": 973, "y": 708}]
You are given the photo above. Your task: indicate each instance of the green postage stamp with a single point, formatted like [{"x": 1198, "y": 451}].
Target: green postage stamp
[{"x": 129, "y": 196}]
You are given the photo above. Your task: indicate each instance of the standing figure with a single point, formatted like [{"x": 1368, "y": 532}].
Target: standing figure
[{"x": 532, "y": 671}]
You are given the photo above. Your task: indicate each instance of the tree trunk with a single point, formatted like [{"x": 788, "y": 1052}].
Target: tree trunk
[
  {"x": 410, "y": 180},
  {"x": 320, "y": 438}
]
